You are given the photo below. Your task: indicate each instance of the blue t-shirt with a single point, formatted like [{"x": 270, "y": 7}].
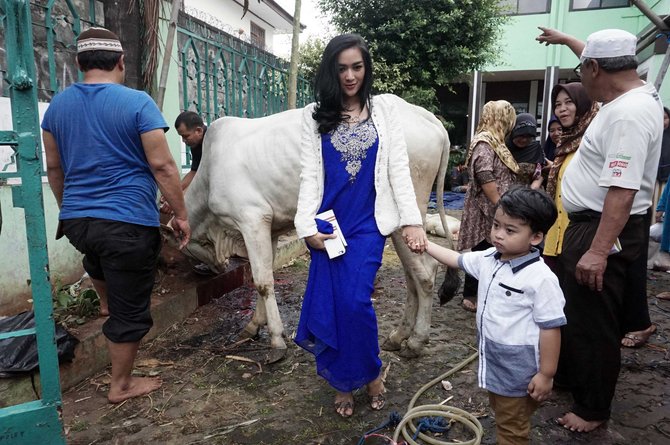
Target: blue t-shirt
[{"x": 97, "y": 128}]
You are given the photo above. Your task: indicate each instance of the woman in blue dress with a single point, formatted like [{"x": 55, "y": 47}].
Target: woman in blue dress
[{"x": 354, "y": 162}]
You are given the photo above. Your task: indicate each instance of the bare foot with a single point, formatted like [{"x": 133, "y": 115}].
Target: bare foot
[
  {"x": 138, "y": 386},
  {"x": 344, "y": 404},
  {"x": 636, "y": 339},
  {"x": 573, "y": 422}
]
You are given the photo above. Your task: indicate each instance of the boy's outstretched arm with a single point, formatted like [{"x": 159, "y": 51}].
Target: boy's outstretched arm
[
  {"x": 443, "y": 255},
  {"x": 540, "y": 385}
]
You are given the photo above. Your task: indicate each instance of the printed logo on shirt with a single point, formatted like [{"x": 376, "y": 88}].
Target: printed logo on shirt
[
  {"x": 622, "y": 164},
  {"x": 622, "y": 156},
  {"x": 586, "y": 139},
  {"x": 616, "y": 173}
]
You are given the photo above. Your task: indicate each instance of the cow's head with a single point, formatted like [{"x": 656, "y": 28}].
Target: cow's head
[{"x": 213, "y": 247}]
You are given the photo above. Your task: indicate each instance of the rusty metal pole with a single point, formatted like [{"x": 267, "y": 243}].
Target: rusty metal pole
[
  {"x": 295, "y": 59},
  {"x": 662, "y": 27}
]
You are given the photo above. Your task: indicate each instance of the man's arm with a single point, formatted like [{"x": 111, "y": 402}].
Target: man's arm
[
  {"x": 540, "y": 386},
  {"x": 166, "y": 174},
  {"x": 551, "y": 36},
  {"x": 616, "y": 211},
  {"x": 55, "y": 173},
  {"x": 186, "y": 180}
]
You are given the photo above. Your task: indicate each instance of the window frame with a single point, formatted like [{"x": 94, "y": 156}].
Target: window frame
[
  {"x": 260, "y": 32},
  {"x": 598, "y": 8},
  {"x": 517, "y": 13}
]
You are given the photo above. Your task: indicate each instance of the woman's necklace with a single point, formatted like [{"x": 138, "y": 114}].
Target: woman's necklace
[{"x": 355, "y": 119}]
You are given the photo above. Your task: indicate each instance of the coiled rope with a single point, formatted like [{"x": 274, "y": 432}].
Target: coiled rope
[{"x": 447, "y": 412}]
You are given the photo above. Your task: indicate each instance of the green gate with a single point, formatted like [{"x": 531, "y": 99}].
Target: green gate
[
  {"x": 221, "y": 75},
  {"x": 35, "y": 422}
]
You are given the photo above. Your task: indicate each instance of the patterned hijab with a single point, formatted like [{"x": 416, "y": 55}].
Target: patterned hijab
[
  {"x": 497, "y": 120},
  {"x": 571, "y": 136}
]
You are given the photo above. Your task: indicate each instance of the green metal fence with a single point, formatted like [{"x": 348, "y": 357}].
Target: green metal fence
[
  {"x": 221, "y": 75},
  {"x": 38, "y": 421}
]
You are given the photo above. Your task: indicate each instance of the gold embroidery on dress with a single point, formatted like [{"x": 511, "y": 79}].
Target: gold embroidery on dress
[{"x": 353, "y": 143}]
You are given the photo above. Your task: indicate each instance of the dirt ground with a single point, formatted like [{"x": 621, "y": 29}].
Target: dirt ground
[{"x": 218, "y": 392}]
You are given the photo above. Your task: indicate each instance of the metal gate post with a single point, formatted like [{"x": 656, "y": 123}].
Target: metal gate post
[{"x": 36, "y": 422}]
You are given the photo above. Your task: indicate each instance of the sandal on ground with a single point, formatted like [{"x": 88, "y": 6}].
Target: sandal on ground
[
  {"x": 663, "y": 296},
  {"x": 377, "y": 402},
  {"x": 469, "y": 304},
  {"x": 637, "y": 339}
]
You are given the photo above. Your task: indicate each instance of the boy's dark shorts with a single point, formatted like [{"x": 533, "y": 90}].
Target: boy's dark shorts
[{"x": 125, "y": 257}]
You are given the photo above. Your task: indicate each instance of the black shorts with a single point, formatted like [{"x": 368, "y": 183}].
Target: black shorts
[{"x": 125, "y": 257}]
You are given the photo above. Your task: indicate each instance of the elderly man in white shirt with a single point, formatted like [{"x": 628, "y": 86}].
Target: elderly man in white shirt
[{"x": 606, "y": 195}]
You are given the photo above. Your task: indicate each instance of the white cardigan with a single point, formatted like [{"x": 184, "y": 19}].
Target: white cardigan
[{"x": 395, "y": 203}]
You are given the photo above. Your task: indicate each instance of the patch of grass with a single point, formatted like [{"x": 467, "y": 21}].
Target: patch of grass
[{"x": 79, "y": 425}]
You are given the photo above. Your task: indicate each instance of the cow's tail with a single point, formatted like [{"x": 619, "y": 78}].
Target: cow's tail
[
  {"x": 452, "y": 280},
  {"x": 439, "y": 190}
]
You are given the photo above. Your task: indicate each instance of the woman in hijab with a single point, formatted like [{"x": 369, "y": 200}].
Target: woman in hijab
[
  {"x": 550, "y": 144},
  {"x": 492, "y": 170},
  {"x": 527, "y": 151},
  {"x": 575, "y": 111}
]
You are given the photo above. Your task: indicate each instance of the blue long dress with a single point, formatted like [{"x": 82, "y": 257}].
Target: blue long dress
[
  {"x": 338, "y": 323},
  {"x": 664, "y": 207}
]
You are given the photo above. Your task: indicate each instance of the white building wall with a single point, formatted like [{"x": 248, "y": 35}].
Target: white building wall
[{"x": 227, "y": 15}]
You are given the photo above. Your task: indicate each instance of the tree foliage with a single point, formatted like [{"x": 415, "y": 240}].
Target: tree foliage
[{"x": 431, "y": 42}]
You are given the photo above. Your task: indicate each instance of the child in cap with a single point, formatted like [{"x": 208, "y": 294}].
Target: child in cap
[{"x": 520, "y": 310}]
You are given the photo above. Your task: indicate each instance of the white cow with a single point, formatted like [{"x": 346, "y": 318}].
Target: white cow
[{"x": 245, "y": 195}]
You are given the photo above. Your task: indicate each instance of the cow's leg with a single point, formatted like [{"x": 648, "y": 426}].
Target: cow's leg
[
  {"x": 420, "y": 271},
  {"x": 401, "y": 333},
  {"x": 259, "y": 248}
]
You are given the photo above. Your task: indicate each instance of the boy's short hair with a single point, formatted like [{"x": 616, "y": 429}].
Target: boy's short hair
[
  {"x": 534, "y": 207},
  {"x": 190, "y": 119}
]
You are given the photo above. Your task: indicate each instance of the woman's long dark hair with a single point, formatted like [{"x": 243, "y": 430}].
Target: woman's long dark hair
[{"x": 327, "y": 90}]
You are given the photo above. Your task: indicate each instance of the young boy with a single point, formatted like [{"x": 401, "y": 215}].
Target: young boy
[{"x": 520, "y": 310}]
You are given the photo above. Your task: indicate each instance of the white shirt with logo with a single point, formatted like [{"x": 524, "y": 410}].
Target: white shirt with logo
[{"x": 621, "y": 148}]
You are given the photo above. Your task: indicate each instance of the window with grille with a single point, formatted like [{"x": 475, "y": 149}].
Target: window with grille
[
  {"x": 519, "y": 7},
  {"x": 257, "y": 35}
]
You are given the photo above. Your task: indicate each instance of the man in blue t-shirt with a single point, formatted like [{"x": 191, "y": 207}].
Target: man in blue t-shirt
[{"x": 107, "y": 156}]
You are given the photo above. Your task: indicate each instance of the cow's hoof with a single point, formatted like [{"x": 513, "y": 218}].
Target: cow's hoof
[
  {"x": 275, "y": 355},
  {"x": 390, "y": 345},
  {"x": 407, "y": 352},
  {"x": 248, "y": 333}
]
